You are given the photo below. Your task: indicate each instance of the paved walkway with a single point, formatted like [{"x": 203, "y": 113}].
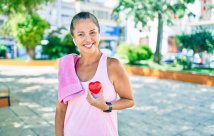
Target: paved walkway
[{"x": 163, "y": 107}]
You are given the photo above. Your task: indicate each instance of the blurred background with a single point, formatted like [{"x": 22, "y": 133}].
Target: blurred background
[
  {"x": 172, "y": 39},
  {"x": 176, "y": 33}
]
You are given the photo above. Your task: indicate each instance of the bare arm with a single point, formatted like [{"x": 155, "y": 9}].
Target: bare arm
[
  {"x": 59, "y": 118},
  {"x": 119, "y": 77}
]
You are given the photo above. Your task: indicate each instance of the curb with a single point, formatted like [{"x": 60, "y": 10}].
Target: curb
[{"x": 179, "y": 76}]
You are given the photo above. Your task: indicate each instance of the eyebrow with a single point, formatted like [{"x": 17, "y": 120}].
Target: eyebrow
[
  {"x": 80, "y": 32},
  {"x": 84, "y": 32},
  {"x": 93, "y": 30}
]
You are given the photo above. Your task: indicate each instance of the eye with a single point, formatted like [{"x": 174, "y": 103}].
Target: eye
[
  {"x": 80, "y": 34},
  {"x": 93, "y": 33}
]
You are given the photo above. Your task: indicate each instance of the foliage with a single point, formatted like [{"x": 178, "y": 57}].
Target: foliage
[
  {"x": 198, "y": 42},
  {"x": 178, "y": 68},
  {"x": 29, "y": 31},
  {"x": 122, "y": 50},
  {"x": 14, "y": 10},
  {"x": 185, "y": 61},
  {"x": 3, "y": 50},
  {"x": 134, "y": 53},
  {"x": 11, "y": 7},
  {"x": 59, "y": 44},
  {"x": 145, "y": 11},
  {"x": 22, "y": 23},
  {"x": 144, "y": 52}
]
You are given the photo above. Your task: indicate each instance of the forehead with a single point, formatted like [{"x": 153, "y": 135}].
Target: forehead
[{"x": 84, "y": 25}]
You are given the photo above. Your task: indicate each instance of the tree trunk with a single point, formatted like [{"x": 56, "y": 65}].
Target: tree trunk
[
  {"x": 157, "y": 55},
  {"x": 30, "y": 52}
]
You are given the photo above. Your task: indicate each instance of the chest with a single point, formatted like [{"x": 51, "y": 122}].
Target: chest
[{"x": 86, "y": 72}]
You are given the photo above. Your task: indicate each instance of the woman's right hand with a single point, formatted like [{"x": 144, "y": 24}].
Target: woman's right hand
[{"x": 98, "y": 102}]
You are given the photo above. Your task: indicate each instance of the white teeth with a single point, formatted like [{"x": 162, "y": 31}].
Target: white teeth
[{"x": 88, "y": 45}]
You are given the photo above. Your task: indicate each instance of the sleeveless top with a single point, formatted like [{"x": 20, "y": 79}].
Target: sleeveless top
[{"x": 83, "y": 119}]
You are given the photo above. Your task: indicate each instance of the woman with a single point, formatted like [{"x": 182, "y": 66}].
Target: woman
[{"x": 85, "y": 114}]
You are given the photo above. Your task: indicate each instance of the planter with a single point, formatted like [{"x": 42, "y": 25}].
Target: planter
[
  {"x": 4, "y": 96},
  {"x": 28, "y": 63},
  {"x": 180, "y": 76}
]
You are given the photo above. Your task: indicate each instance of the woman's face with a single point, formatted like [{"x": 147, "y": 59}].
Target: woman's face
[{"x": 86, "y": 36}]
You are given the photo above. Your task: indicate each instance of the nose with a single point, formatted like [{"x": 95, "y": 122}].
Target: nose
[{"x": 88, "y": 38}]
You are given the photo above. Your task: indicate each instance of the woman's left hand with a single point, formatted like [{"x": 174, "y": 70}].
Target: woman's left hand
[{"x": 98, "y": 102}]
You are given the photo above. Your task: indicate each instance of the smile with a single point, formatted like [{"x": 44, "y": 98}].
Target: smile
[{"x": 88, "y": 45}]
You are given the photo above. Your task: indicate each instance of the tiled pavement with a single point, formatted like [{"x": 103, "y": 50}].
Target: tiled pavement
[{"x": 163, "y": 107}]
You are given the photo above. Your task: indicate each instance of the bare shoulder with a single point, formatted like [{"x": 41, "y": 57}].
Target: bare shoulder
[
  {"x": 114, "y": 64},
  {"x": 113, "y": 61},
  {"x": 115, "y": 68}
]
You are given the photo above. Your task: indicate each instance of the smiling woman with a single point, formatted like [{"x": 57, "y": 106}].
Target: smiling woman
[
  {"x": 85, "y": 31},
  {"x": 80, "y": 112}
]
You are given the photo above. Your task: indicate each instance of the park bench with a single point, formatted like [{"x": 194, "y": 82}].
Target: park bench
[{"x": 4, "y": 95}]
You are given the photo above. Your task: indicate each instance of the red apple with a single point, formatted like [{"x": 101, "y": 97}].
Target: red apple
[{"x": 95, "y": 87}]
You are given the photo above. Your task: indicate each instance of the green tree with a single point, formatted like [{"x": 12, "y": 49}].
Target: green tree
[
  {"x": 146, "y": 10},
  {"x": 59, "y": 44},
  {"x": 3, "y": 50},
  {"x": 22, "y": 22},
  {"x": 14, "y": 8},
  {"x": 199, "y": 41},
  {"x": 11, "y": 7},
  {"x": 29, "y": 31}
]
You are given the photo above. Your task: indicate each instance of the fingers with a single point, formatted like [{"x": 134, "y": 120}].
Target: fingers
[
  {"x": 90, "y": 94},
  {"x": 90, "y": 98},
  {"x": 101, "y": 91},
  {"x": 101, "y": 95},
  {"x": 99, "y": 101},
  {"x": 94, "y": 100}
]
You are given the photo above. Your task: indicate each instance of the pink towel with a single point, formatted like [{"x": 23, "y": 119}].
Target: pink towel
[{"x": 69, "y": 83}]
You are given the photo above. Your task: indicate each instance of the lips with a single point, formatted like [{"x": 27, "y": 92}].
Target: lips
[{"x": 88, "y": 45}]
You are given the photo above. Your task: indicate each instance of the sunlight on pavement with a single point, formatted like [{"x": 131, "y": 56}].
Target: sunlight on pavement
[
  {"x": 31, "y": 88},
  {"x": 29, "y": 104},
  {"x": 163, "y": 107},
  {"x": 41, "y": 80}
]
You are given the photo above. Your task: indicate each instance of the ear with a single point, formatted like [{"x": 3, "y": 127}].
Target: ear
[{"x": 74, "y": 41}]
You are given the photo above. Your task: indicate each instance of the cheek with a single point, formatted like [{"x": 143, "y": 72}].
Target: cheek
[
  {"x": 97, "y": 39},
  {"x": 78, "y": 41}
]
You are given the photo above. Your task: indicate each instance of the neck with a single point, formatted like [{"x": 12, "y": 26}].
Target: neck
[{"x": 90, "y": 59}]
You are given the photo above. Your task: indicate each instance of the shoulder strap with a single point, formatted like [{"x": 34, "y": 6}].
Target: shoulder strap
[{"x": 102, "y": 67}]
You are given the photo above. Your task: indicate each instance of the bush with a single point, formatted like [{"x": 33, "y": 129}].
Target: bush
[
  {"x": 133, "y": 53},
  {"x": 59, "y": 44},
  {"x": 122, "y": 50},
  {"x": 185, "y": 61},
  {"x": 3, "y": 51},
  {"x": 199, "y": 41},
  {"x": 144, "y": 52}
]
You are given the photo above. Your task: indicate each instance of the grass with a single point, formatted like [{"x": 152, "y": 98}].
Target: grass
[
  {"x": 173, "y": 67},
  {"x": 207, "y": 71}
]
